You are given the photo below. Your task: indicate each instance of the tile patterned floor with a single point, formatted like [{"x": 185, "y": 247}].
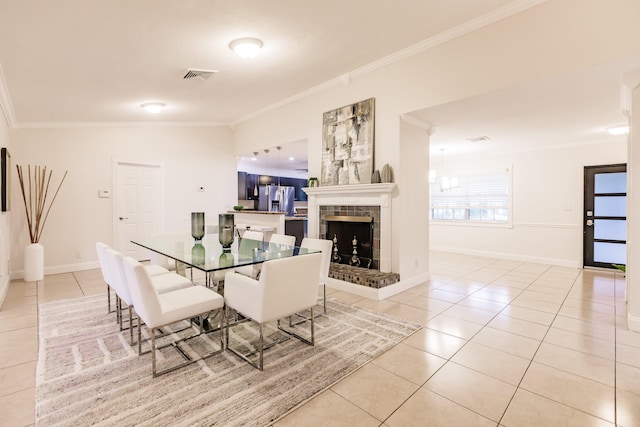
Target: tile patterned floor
[{"x": 504, "y": 343}]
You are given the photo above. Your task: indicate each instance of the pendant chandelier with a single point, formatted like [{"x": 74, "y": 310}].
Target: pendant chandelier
[{"x": 446, "y": 182}]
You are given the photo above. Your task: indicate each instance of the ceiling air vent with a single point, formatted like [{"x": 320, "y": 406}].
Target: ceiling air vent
[
  {"x": 478, "y": 139},
  {"x": 196, "y": 73}
]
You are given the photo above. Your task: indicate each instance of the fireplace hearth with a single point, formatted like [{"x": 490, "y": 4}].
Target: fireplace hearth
[{"x": 362, "y": 276}]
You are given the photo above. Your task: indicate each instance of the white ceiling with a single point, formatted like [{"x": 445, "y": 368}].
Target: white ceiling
[
  {"x": 78, "y": 62},
  {"x": 97, "y": 61},
  {"x": 575, "y": 108}
]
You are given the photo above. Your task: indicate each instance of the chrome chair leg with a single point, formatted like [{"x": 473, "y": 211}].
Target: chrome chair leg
[
  {"x": 313, "y": 340},
  {"x": 261, "y": 346},
  {"x": 153, "y": 351},
  {"x": 130, "y": 326},
  {"x": 119, "y": 311},
  {"x": 226, "y": 326},
  {"x": 139, "y": 336},
  {"x": 324, "y": 297},
  {"x": 176, "y": 345}
]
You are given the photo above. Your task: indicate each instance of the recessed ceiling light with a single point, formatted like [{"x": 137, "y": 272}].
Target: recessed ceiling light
[
  {"x": 153, "y": 107},
  {"x": 479, "y": 138},
  {"x": 618, "y": 130},
  {"x": 247, "y": 48},
  {"x": 292, "y": 158}
]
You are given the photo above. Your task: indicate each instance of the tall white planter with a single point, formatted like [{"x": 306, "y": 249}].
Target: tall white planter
[{"x": 33, "y": 262}]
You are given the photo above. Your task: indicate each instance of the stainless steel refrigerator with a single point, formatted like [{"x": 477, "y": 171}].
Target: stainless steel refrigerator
[{"x": 275, "y": 198}]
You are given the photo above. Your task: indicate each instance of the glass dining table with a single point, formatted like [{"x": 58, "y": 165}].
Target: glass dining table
[{"x": 208, "y": 256}]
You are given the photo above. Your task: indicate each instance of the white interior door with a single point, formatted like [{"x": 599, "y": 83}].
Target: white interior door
[{"x": 138, "y": 205}]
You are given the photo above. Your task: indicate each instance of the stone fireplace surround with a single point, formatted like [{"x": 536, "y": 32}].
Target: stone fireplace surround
[{"x": 358, "y": 198}]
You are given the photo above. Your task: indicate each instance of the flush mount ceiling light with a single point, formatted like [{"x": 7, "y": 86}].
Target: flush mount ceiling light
[
  {"x": 153, "y": 107},
  {"x": 479, "y": 138},
  {"x": 618, "y": 130},
  {"x": 247, "y": 48}
]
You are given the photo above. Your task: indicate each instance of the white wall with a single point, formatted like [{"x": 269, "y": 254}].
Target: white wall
[
  {"x": 633, "y": 207},
  {"x": 548, "y": 190},
  {"x": 551, "y": 38},
  {"x": 5, "y": 229},
  {"x": 192, "y": 157},
  {"x": 412, "y": 174}
]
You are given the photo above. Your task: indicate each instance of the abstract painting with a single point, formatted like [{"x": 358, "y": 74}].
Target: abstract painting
[{"x": 347, "y": 144}]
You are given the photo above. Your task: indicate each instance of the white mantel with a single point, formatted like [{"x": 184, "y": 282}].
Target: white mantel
[{"x": 354, "y": 195}]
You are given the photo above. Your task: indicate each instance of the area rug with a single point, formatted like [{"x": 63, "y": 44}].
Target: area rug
[{"x": 88, "y": 374}]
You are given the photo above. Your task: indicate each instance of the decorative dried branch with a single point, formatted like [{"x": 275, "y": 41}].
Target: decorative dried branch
[{"x": 35, "y": 198}]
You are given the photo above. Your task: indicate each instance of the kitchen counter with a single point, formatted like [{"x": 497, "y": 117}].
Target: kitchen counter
[{"x": 267, "y": 222}]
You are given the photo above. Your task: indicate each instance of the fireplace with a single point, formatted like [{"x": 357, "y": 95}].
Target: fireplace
[
  {"x": 352, "y": 239},
  {"x": 347, "y": 221},
  {"x": 358, "y": 200}
]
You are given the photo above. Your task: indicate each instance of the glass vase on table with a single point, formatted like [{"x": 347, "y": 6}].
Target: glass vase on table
[
  {"x": 225, "y": 230},
  {"x": 197, "y": 225}
]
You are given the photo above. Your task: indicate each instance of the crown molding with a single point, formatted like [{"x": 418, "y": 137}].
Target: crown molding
[
  {"x": 450, "y": 34},
  {"x": 290, "y": 100},
  {"x": 414, "y": 121},
  {"x": 346, "y": 78},
  {"x": 629, "y": 82},
  {"x": 80, "y": 125}
]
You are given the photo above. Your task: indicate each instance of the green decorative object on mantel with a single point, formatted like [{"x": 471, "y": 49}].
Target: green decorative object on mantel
[
  {"x": 375, "y": 177},
  {"x": 387, "y": 173}
]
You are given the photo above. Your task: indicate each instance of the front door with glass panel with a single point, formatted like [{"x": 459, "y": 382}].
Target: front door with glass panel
[{"x": 605, "y": 215}]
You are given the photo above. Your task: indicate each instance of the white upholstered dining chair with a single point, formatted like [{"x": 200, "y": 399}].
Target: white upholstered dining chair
[
  {"x": 282, "y": 239},
  {"x": 253, "y": 235},
  {"x": 286, "y": 286},
  {"x": 251, "y": 239},
  {"x": 106, "y": 273},
  {"x": 163, "y": 283},
  {"x": 157, "y": 310},
  {"x": 325, "y": 246},
  {"x": 111, "y": 278},
  {"x": 101, "y": 247}
]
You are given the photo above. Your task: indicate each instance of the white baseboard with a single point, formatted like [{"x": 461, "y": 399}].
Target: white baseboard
[
  {"x": 382, "y": 293},
  {"x": 59, "y": 269},
  {"x": 633, "y": 322},
  {"x": 510, "y": 256},
  {"x": 4, "y": 287}
]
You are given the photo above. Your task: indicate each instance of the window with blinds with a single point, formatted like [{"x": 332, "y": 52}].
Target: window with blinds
[{"x": 482, "y": 198}]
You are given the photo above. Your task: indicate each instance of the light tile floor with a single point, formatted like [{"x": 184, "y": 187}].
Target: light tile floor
[{"x": 504, "y": 343}]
